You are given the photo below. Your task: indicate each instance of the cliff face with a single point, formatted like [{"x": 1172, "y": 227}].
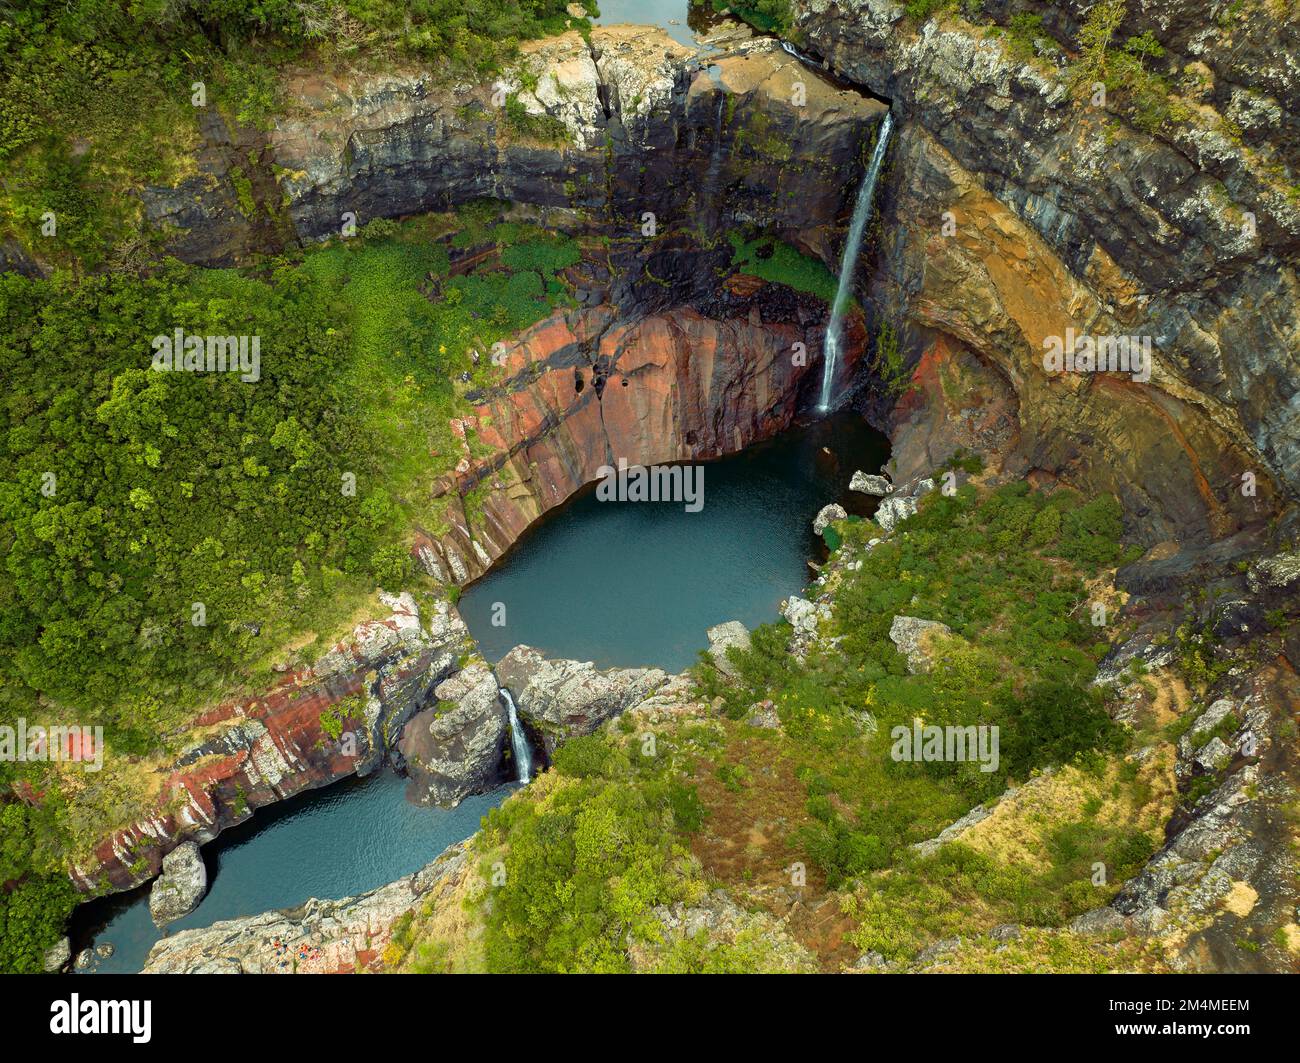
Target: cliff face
[
  {"x": 322, "y": 724},
  {"x": 588, "y": 388},
  {"x": 601, "y": 133},
  {"x": 1062, "y": 215}
]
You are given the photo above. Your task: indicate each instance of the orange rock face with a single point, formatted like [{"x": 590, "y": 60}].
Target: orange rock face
[{"x": 584, "y": 389}]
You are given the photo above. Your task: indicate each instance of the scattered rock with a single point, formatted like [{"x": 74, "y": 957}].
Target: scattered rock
[
  {"x": 867, "y": 484},
  {"x": 870, "y": 961},
  {"x": 912, "y": 636},
  {"x": 105, "y": 950},
  {"x": 180, "y": 887},
  {"x": 940, "y": 948},
  {"x": 763, "y": 714}
]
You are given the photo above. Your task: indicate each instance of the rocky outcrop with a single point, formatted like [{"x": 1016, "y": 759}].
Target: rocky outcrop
[
  {"x": 717, "y": 920},
  {"x": 827, "y": 515},
  {"x": 806, "y": 618},
  {"x": 180, "y": 887},
  {"x": 322, "y": 723},
  {"x": 902, "y": 502},
  {"x": 914, "y": 639},
  {"x": 57, "y": 957},
  {"x": 869, "y": 484},
  {"x": 317, "y": 937},
  {"x": 1220, "y": 895},
  {"x": 723, "y": 637},
  {"x": 628, "y": 121},
  {"x": 564, "y": 699},
  {"x": 453, "y": 747}
]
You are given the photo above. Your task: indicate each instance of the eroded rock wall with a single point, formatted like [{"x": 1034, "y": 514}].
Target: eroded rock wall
[{"x": 1064, "y": 215}]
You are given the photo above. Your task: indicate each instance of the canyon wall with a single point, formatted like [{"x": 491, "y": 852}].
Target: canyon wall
[{"x": 1016, "y": 211}]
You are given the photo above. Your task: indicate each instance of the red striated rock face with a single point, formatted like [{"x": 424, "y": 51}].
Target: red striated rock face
[
  {"x": 587, "y": 388},
  {"x": 317, "y": 726}
]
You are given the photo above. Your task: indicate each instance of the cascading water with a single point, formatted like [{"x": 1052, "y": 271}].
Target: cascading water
[
  {"x": 861, "y": 212},
  {"x": 712, "y": 197},
  {"x": 519, "y": 747}
]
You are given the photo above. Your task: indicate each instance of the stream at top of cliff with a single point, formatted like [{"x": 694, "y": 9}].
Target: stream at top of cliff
[
  {"x": 638, "y": 583},
  {"x": 619, "y": 583}
]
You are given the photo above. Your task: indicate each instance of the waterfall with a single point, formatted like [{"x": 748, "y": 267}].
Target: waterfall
[
  {"x": 861, "y": 212},
  {"x": 523, "y": 752},
  {"x": 715, "y": 164}
]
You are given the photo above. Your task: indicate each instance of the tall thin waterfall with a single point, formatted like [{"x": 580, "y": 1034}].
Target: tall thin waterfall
[
  {"x": 519, "y": 747},
  {"x": 844, "y": 292}
]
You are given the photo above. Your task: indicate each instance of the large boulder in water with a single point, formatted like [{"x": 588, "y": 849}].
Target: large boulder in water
[
  {"x": 180, "y": 887},
  {"x": 452, "y": 748},
  {"x": 564, "y": 699}
]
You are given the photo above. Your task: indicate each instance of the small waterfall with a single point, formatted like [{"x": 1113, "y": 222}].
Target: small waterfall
[
  {"x": 713, "y": 197},
  {"x": 861, "y": 212},
  {"x": 519, "y": 747}
]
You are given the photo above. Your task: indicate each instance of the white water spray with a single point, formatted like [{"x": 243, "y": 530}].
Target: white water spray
[
  {"x": 848, "y": 264},
  {"x": 519, "y": 747}
]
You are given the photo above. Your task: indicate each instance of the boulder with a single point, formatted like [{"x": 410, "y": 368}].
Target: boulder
[
  {"x": 901, "y": 504},
  {"x": 180, "y": 887},
  {"x": 805, "y": 617},
  {"x": 1098, "y": 922},
  {"x": 912, "y": 636},
  {"x": 563, "y": 699},
  {"x": 723, "y": 637},
  {"x": 763, "y": 714},
  {"x": 826, "y": 515},
  {"x": 452, "y": 748},
  {"x": 867, "y": 484},
  {"x": 57, "y": 956}
]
